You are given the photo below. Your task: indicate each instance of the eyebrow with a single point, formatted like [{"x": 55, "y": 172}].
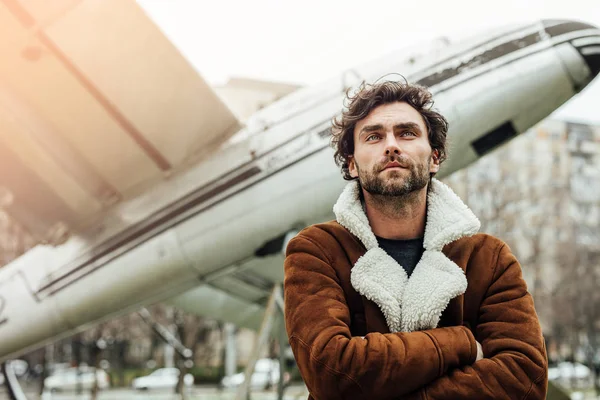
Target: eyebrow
[{"x": 401, "y": 126}]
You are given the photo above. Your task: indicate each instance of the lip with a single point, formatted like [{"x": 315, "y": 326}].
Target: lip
[{"x": 393, "y": 165}]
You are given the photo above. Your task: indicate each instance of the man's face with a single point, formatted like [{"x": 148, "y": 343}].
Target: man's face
[{"x": 392, "y": 154}]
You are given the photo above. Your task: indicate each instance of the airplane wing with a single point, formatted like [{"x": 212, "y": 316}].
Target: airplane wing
[
  {"x": 96, "y": 106},
  {"x": 236, "y": 293}
]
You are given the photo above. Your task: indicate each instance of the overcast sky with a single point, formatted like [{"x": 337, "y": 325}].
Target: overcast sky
[{"x": 307, "y": 42}]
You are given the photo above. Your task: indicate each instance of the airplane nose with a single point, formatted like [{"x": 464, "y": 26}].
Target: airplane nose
[{"x": 584, "y": 37}]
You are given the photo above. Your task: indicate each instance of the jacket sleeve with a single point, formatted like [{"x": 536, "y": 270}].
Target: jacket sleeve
[
  {"x": 335, "y": 365},
  {"x": 515, "y": 364}
]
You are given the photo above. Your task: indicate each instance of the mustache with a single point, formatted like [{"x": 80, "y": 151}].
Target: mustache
[{"x": 401, "y": 159}]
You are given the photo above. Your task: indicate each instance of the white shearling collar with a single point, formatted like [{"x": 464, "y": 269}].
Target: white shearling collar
[{"x": 416, "y": 303}]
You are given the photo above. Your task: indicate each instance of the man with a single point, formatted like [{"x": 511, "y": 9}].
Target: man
[{"x": 400, "y": 297}]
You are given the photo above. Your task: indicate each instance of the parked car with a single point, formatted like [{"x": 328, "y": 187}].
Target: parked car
[
  {"x": 72, "y": 378},
  {"x": 568, "y": 370},
  {"x": 162, "y": 378},
  {"x": 571, "y": 375},
  {"x": 266, "y": 375}
]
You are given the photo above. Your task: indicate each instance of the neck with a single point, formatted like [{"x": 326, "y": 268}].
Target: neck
[{"x": 397, "y": 217}]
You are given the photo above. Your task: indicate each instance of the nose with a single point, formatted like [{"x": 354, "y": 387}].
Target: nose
[
  {"x": 391, "y": 146},
  {"x": 589, "y": 48},
  {"x": 585, "y": 38}
]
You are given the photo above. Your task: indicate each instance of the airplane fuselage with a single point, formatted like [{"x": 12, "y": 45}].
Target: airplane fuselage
[{"x": 211, "y": 236}]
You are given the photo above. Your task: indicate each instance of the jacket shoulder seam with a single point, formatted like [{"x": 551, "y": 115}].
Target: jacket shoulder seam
[
  {"x": 496, "y": 260},
  {"x": 327, "y": 367},
  {"x": 319, "y": 246}
]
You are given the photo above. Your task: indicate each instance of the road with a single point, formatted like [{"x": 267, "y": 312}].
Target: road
[{"x": 297, "y": 392}]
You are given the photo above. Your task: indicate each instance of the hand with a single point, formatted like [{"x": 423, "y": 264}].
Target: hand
[{"x": 479, "y": 352}]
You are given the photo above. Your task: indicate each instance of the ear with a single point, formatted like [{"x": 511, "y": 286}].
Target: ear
[
  {"x": 352, "y": 167},
  {"x": 434, "y": 165}
]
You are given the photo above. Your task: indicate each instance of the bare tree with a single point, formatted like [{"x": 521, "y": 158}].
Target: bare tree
[{"x": 188, "y": 328}]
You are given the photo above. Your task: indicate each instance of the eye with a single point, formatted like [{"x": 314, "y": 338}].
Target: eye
[
  {"x": 411, "y": 133},
  {"x": 371, "y": 137}
]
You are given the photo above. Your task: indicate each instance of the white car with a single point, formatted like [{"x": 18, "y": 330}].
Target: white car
[
  {"x": 162, "y": 378},
  {"x": 568, "y": 370},
  {"x": 266, "y": 374},
  {"x": 72, "y": 378}
]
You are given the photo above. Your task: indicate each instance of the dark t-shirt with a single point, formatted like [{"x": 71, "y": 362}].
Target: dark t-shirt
[{"x": 407, "y": 253}]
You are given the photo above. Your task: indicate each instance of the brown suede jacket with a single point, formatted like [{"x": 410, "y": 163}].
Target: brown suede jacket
[{"x": 360, "y": 329}]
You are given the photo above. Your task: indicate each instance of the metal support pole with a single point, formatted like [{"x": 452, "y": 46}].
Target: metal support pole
[
  {"x": 12, "y": 383},
  {"x": 230, "y": 350},
  {"x": 243, "y": 392},
  {"x": 283, "y": 340},
  {"x": 165, "y": 334},
  {"x": 169, "y": 353}
]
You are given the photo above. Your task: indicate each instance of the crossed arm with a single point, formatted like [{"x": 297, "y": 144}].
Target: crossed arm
[{"x": 431, "y": 364}]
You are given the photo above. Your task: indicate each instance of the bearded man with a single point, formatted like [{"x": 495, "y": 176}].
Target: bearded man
[{"x": 400, "y": 297}]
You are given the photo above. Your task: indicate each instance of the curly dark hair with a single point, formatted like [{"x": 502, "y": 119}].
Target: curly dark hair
[{"x": 370, "y": 96}]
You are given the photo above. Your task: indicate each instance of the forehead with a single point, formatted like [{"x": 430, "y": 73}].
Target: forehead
[{"x": 391, "y": 114}]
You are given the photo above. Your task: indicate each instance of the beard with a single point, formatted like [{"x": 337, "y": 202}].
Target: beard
[{"x": 397, "y": 183}]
